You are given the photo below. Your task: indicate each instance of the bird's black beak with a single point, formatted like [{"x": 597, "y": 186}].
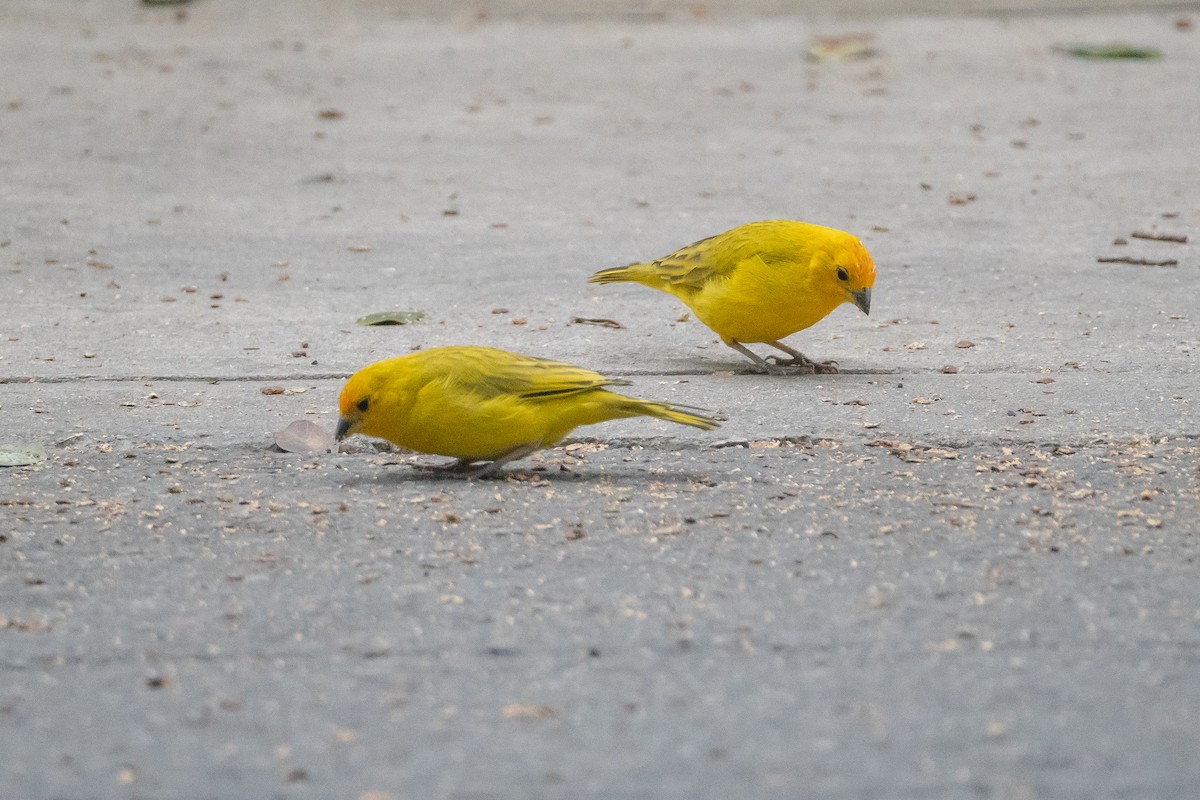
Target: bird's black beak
[
  {"x": 343, "y": 428},
  {"x": 862, "y": 299}
]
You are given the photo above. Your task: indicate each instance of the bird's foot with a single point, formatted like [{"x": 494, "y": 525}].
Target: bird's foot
[
  {"x": 463, "y": 466},
  {"x": 479, "y": 468},
  {"x": 488, "y": 470},
  {"x": 789, "y": 368},
  {"x": 800, "y": 365}
]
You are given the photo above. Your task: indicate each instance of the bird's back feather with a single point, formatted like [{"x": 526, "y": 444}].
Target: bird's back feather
[
  {"x": 489, "y": 372},
  {"x": 479, "y": 403}
]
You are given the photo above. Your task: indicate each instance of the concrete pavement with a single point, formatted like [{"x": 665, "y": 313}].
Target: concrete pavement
[{"x": 963, "y": 568}]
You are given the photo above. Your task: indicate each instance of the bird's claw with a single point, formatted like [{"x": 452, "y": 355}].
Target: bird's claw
[
  {"x": 801, "y": 366},
  {"x": 789, "y": 367},
  {"x": 462, "y": 468},
  {"x": 458, "y": 465}
]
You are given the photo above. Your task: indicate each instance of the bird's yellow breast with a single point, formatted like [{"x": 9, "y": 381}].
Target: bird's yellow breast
[
  {"x": 761, "y": 302},
  {"x": 446, "y": 420}
]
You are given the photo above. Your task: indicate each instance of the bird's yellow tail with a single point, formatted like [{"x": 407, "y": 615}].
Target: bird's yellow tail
[
  {"x": 635, "y": 273},
  {"x": 684, "y": 415}
]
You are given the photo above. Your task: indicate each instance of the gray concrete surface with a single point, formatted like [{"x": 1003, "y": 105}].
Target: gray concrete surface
[{"x": 896, "y": 582}]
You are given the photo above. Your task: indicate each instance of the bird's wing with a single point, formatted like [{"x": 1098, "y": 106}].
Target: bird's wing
[
  {"x": 689, "y": 267},
  {"x": 528, "y": 378},
  {"x": 718, "y": 256}
]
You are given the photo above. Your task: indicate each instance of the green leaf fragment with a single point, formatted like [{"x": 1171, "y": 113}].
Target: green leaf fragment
[
  {"x": 391, "y": 318},
  {"x": 22, "y": 456},
  {"x": 1118, "y": 50}
]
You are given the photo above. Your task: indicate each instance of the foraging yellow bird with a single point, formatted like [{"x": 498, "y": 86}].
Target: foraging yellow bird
[
  {"x": 762, "y": 281},
  {"x": 481, "y": 404}
]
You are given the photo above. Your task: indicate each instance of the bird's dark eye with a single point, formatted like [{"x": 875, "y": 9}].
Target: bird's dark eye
[
  {"x": 362, "y": 404},
  {"x": 842, "y": 274}
]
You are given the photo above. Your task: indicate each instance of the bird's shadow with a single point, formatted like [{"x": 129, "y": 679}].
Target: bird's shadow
[
  {"x": 402, "y": 473},
  {"x": 706, "y": 367}
]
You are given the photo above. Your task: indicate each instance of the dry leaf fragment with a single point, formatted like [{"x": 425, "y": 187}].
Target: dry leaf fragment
[
  {"x": 1160, "y": 237},
  {"x": 375, "y": 794},
  {"x": 604, "y": 323},
  {"x": 1138, "y": 262},
  {"x": 849, "y": 47},
  {"x": 527, "y": 711},
  {"x": 391, "y": 318}
]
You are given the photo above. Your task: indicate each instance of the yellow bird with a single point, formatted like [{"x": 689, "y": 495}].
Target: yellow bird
[
  {"x": 481, "y": 404},
  {"x": 762, "y": 281}
]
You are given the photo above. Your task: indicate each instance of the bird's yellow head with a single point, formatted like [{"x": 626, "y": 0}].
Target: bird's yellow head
[
  {"x": 361, "y": 400},
  {"x": 851, "y": 268}
]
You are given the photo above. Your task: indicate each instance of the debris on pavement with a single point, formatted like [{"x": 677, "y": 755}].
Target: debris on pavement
[
  {"x": 22, "y": 455},
  {"x": 1140, "y": 262},
  {"x": 1161, "y": 237},
  {"x": 603, "y": 323},
  {"x": 1113, "y": 50},
  {"x": 391, "y": 318},
  {"x": 304, "y": 436},
  {"x": 850, "y": 47}
]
